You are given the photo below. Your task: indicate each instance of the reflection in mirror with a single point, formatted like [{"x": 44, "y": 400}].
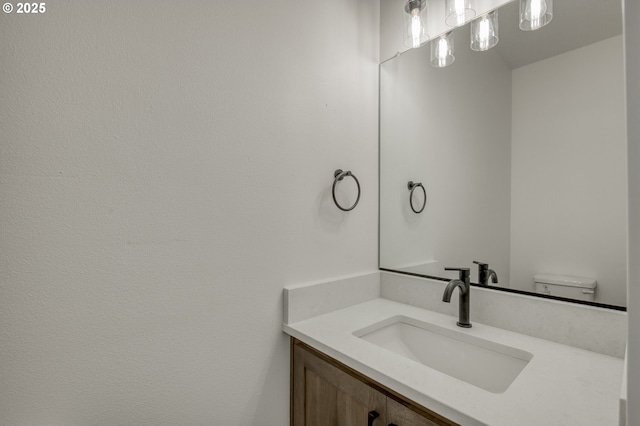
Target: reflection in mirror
[{"x": 522, "y": 153}]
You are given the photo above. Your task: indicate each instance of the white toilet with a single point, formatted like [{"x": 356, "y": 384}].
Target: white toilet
[{"x": 570, "y": 287}]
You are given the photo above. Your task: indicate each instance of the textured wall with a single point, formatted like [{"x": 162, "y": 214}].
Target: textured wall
[{"x": 165, "y": 169}]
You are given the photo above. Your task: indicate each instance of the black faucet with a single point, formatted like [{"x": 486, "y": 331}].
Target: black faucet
[
  {"x": 484, "y": 273},
  {"x": 465, "y": 289}
]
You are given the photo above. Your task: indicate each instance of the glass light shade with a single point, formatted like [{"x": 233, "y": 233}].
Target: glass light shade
[
  {"x": 484, "y": 32},
  {"x": 458, "y": 12},
  {"x": 415, "y": 18},
  {"x": 535, "y": 14},
  {"x": 442, "y": 53}
]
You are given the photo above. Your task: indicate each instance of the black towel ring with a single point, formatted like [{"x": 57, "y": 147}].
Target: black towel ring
[
  {"x": 338, "y": 176},
  {"x": 411, "y": 187}
]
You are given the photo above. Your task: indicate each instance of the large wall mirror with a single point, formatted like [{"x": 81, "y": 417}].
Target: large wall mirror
[{"x": 521, "y": 151}]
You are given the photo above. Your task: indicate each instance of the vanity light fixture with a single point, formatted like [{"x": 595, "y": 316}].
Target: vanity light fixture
[
  {"x": 535, "y": 14},
  {"x": 458, "y": 12},
  {"x": 484, "y": 32},
  {"x": 442, "y": 53},
  {"x": 415, "y": 32}
]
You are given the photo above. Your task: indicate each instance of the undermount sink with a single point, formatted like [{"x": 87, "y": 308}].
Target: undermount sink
[{"x": 479, "y": 362}]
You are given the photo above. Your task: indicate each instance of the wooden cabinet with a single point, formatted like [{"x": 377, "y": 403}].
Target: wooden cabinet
[
  {"x": 325, "y": 395},
  {"x": 398, "y": 414},
  {"x": 325, "y": 392}
]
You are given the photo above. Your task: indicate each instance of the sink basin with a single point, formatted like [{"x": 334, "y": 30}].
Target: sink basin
[{"x": 479, "y": 362}]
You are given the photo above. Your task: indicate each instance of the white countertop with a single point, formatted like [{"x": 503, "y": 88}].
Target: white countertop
[{"x": 561, "y": 385}]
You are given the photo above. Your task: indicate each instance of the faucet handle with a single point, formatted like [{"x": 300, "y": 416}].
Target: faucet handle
[
  {"x": 481, "y": 264},
  {"x": 464, "y": 273}
]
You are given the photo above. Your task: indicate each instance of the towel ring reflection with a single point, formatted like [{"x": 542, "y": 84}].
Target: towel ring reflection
[
  {"x": 338, "y": 176},
  {"x": 412, "y": 186}
]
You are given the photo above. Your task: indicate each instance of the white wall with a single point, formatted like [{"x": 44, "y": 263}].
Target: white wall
[
  {"x": 569, "y": 169},
  {"x": 436, "y": 129},
  {"x": 165, "y": 169},
  {"x": 632, "y": 58}
]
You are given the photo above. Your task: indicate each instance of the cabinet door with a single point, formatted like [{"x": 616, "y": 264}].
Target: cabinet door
[
  {"x": 324, "y": 395},
  {"x": 400, "y": 415}
]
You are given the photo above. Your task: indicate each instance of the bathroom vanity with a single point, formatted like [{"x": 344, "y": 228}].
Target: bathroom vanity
[
  {"x": 327, "y": 392},
  {"x": 351, "y": 357}
]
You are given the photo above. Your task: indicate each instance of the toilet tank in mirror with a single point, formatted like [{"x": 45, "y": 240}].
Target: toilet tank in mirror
[{"x": 521, "y": 151}]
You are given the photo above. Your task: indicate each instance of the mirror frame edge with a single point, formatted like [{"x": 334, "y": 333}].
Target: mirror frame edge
[{"x": 430, "y": 277}]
